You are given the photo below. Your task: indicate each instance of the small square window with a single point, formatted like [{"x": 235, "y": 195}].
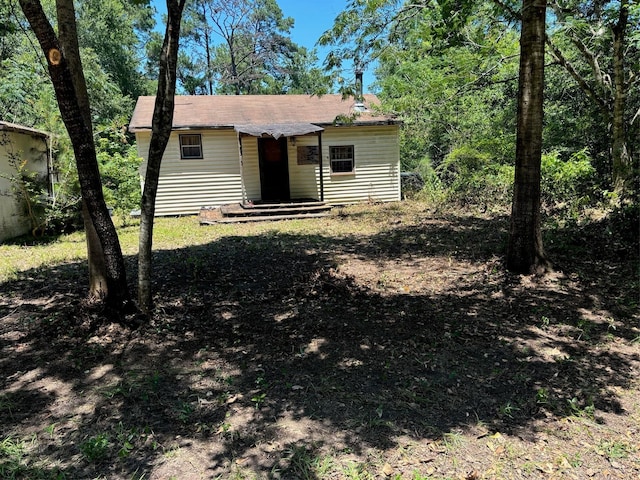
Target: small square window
[
  {"x": 342, "y": 159},
  {"x": 190, "y": 146},
  {"x": 308, "y": 155}
]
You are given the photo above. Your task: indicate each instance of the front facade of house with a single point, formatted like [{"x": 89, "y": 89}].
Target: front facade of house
[
  {"x": 19, "y": 144},
  {"x": 228, "y": 149}
]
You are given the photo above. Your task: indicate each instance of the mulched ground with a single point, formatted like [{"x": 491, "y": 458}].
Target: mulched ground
[{"x": 408, "y": 353}]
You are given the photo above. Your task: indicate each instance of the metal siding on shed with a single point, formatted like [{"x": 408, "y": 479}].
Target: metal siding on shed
[{"x": 24, "y": 144}]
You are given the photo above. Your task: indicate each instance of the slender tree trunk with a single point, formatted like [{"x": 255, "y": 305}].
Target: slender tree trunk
[
  {"x": 162, "y": 123},
  {"x": 621, "y": 161},
  {"x": 234, "y": 66},
  {"x": 65, "y": 70},
  {"x": 207, "y": 48},
  {"x": 525, "y": 251}
]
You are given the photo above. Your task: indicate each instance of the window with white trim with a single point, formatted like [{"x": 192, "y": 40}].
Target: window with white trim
[
  {"x": 190, "y": 146},
  {"x": 342, "y": 159}
]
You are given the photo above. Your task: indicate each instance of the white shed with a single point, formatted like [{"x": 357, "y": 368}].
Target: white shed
[
  {"x": 272, "y": 148},
  {"x": 18, "y": 145}
]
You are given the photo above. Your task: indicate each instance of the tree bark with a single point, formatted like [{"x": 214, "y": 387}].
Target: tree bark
[
  {"x": 65, "y": 70},
  {"x": 621, "y": 160},
  {"x": 525, "y": 252},
  {"x": 161, "y": 125}
]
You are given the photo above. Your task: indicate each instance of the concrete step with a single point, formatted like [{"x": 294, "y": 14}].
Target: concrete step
[
  {"x": 263, "y": 218},
  {"x": 283, "y": 209},
  {"x": 281, "y": 205}
]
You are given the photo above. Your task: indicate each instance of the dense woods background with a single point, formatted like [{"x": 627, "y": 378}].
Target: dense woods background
[{"x": 449, "y": 71}]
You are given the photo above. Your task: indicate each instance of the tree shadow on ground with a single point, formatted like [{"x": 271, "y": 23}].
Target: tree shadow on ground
[{"x": 269, "y": 349}]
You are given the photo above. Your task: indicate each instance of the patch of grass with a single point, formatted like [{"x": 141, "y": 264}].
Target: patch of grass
[
  {"x": 577, "y": 409},
  {"x": 16, "y": 462},
  {"x": 6, "y": 405},
  {"x": 614, "y": 449},
  {"x": 185, "y": 410},
  {"x": 304, "y": 464},
  {"x": 508, "y": 410},
  {"x": 258, "y": 399},
  {"x": 453, "y": 440},
  {"x": 357, "y": 471},
  {"x": 134, "y": 385},
  {"x": 96, "y": 448},
  {"x": 542, "y": 396},
  {"x": 12, "y": 458},
  {"x": 127, "y": 438},
  {"x": 463, "y": 341},
  {"x": 585, "y": 329}
]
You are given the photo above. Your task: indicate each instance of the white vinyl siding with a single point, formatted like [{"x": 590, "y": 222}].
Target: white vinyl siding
[
  {"x": 376, "y": 175},
  {"x": 251, "y": 168},
  {"x": 217, "y": 178},
  {"x": 186, "y": 186},
  {"x": 304, "y": 181}
]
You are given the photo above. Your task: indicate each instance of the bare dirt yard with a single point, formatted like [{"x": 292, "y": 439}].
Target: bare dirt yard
[{"x": 385, "y": 341}]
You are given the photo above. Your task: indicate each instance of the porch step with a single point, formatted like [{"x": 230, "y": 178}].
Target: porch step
[
  {"x": 281, "y": 205},
  {"x": 264, "y": 218},
  {"x": 238, "y": 213},
  {"x": 236, "y": 210}
]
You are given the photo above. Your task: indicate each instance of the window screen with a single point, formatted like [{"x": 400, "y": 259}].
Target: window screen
[
  {"x": 190, "y": 146},
  {"x": 342, "y": 160}
]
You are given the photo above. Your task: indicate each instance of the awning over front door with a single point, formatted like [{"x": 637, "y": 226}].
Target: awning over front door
[{"x": 277, "y": 130}]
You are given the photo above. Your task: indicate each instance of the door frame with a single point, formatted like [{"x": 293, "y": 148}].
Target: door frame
[{"x": 274, "y": 176}]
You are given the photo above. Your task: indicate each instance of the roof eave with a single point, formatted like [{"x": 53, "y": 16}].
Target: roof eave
[
  {"x": 13, "y": 127},
  {"x": 357, "y": 123}
]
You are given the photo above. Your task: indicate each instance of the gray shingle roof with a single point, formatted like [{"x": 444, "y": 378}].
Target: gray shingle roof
[{"x": 227, "y": 111}]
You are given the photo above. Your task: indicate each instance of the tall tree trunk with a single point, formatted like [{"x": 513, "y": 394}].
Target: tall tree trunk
[
  {"x": 68, "y": 36},
  {"x": 525, "y": 251},
  {"x": 161, "y": 125},
  {"x": 65, "y": 70},
  {"x": 207, "y": 48},
  {"x": 621, "y": 161}
]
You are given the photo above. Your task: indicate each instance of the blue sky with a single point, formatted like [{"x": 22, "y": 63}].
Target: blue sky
[{"x": 312, "y": 19}]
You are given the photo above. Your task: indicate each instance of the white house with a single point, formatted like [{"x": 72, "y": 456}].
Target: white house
[
  {"x": 18, "y": 145},
  {"x": 272, "y": 148}
]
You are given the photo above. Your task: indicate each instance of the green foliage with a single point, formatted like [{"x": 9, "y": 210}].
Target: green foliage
[
  {"x": 624, "y": 221},
  {"x": 244, "y": 47},
  {"x": 470, "y": 177},
  {"x": 567, "y": 184},
  {"x": 119, "y": 168},
  {"x": 453, "y": 82},
  {"x": 95, "y": 448},
  {"x": 114, "y": 31}
]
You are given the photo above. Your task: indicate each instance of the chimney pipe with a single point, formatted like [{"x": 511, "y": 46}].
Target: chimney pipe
[
  {"x": 359, "y": 96},
  {"x": 359, "y": 85}
]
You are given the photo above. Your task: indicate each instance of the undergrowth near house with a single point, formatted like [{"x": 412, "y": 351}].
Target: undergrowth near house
[{"x": 385, "y": 341}]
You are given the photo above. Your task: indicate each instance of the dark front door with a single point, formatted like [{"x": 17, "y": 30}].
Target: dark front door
[{"x": 274, "y": 169}]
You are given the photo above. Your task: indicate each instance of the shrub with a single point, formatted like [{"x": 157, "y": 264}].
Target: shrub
[
  {"x": 119, "y": 164},
  {"x": 567, "y": 185},
  {"x": 471, "y": 178}
]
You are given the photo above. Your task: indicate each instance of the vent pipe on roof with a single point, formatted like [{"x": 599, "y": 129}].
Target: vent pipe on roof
[{"x": 359, "y": 105}]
